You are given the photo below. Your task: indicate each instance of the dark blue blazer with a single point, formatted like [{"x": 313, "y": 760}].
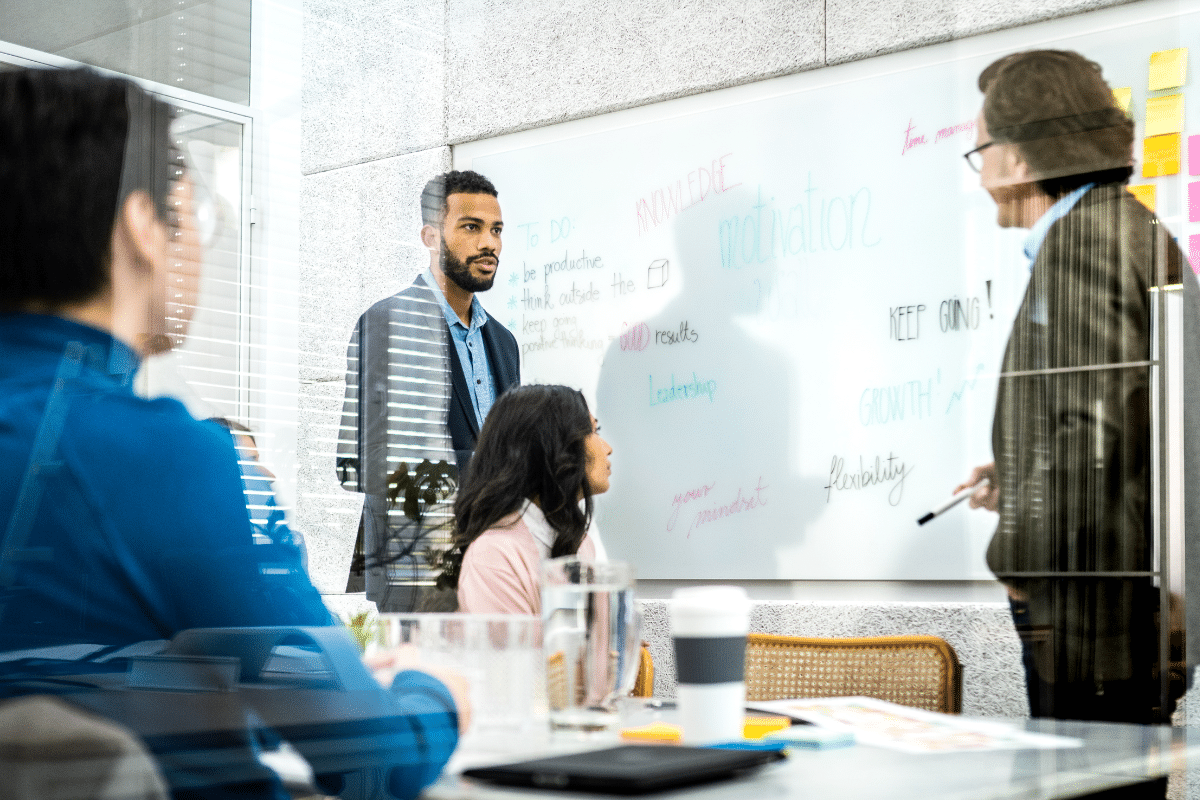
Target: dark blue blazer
[
  {"x": 504, "y": 358},
  {"x": 391, "y": 415}
]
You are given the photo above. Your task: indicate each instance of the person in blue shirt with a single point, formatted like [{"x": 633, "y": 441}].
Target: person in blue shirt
[{"x": 123, "y": 519}]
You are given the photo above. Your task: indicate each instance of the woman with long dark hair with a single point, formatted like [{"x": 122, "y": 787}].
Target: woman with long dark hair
[{"x": 527, "y": 497}]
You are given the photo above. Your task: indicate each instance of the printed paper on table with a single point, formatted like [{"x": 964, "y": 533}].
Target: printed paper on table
[{"x": 911, "y": 730}]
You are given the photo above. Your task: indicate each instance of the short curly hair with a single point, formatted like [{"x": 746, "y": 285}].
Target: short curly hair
[
  {"x": 433, "y": 197},
  {"x": 1055, "y": 106}
]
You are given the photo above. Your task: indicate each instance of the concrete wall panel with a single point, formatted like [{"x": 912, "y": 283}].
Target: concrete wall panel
[
  {"x": 373, "y": 81},
  {"x": 858, "y": 29},
  {"x": 515, "y": 64}
]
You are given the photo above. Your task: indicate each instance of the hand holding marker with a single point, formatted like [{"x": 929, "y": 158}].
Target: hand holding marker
[{"x": 963, "y": 494}]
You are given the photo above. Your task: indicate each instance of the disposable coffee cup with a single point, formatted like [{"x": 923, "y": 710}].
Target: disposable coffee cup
[{"x": 709, "y": 626}]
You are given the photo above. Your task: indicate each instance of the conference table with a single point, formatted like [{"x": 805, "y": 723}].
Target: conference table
[{"x": 1112, "y": 756}]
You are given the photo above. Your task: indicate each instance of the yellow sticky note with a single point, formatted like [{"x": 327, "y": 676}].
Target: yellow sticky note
[
  {"x": 1164, "y": 114},
  {"x": 654, "y": 732},
  {"x": 758, "y": 727},
  {"x": 1168, "y": 68},
  {"x": 1146, "y": 193},
  {"x": 1160, "y": 155},
  {"x": 1124, "y": 97}
]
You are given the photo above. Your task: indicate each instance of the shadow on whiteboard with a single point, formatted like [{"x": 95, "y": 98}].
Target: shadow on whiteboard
[{"x": 701, "y": 399}]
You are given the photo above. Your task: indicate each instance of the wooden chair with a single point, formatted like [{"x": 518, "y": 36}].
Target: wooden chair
[{"x": 918, "y": 671}]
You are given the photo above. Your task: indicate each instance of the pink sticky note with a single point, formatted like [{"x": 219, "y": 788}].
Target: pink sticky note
[
  {"x": 1194, "y": 155},
  {"x": 1194, "y": 201},
  {"x": 1194, "y": 252}
]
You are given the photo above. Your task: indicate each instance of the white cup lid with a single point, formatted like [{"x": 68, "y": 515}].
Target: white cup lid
[{"x": 710, "y": 611}]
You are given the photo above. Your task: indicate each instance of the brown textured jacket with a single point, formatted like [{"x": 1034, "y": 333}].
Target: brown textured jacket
[{"x": 1072, "y": 439}]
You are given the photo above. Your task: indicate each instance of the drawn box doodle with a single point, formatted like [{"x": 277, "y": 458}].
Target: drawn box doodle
[{"x": 657, "y": 274}]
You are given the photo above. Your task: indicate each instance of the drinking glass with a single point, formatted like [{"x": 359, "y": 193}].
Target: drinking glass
[
  {"x": 592, "y": 641},
  {"x": 500, "y": 655}
]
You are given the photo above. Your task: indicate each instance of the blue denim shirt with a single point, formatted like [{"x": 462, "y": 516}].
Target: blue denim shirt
[{"x": 472, "y": 354}]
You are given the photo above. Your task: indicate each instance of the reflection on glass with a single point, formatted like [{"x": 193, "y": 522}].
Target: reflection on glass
[
  {"x": 1072, "y": 435},
  {"x": 211, "y": 361},
  {"x": 394, "y": 445},
  {"x": 131, "y": 578},
  {"x": 201, "y": 47},
  {"x": 424, "y": 367}
]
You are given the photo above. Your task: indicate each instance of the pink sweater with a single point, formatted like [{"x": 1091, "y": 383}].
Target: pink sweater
[{"x": 501, "y": 570}]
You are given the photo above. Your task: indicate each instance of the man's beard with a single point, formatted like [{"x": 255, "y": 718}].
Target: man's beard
[{"x": 460, "y": 273}]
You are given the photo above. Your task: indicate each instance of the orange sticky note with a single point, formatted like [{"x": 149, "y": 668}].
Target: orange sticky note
[
  {"x": 1160, "y": 155},
  {"x": 1168, "y": 68},
  {"x": 1146, "y": 193},
  {"x": 1164, "y": 114},
  {"x": 1124, "y": 97}
]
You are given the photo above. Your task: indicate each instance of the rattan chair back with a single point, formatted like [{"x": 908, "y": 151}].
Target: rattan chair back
[
  {"x": 917, "y": 671},
  {"x": 556, "y": 671}
]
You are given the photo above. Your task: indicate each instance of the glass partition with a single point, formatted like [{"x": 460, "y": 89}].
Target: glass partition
[{"x": 198, "y": 46}]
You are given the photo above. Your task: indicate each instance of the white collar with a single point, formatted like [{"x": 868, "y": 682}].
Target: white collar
[
  {"x": 544, "y": 535},
  {"x": 536, "y": 522}
]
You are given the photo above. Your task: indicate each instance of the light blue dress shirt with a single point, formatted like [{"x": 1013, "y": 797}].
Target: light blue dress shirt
[
  {"x": 471, "y": 351},
  {"x": 1037, "y": 235}
]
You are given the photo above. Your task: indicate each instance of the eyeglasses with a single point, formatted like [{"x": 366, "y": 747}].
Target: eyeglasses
[{"x": 975, "y": 157}]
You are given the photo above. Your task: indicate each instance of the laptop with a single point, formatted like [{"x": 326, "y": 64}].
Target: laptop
[{"x": 628, "y": 769}]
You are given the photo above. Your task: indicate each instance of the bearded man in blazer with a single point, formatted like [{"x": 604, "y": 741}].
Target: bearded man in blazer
[
  {"x": 1071, "y": 434},
  {"x": 424, "y": 367}
]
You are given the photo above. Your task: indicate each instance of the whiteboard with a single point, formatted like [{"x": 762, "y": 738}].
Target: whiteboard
[{"x": 787, "y": 302}]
